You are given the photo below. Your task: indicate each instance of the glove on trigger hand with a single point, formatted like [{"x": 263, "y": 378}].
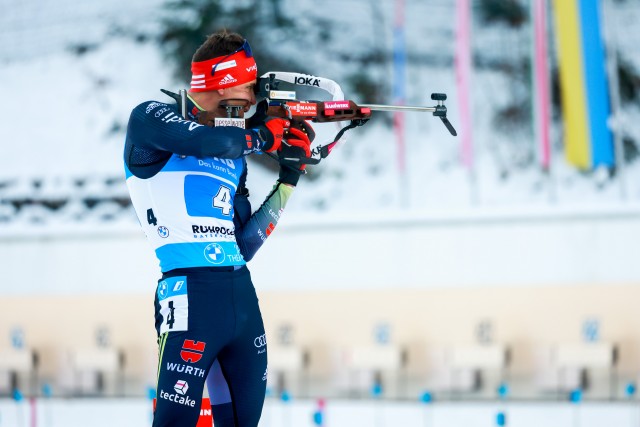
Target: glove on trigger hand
[
  {"x": 307, "y": 129},
  {"x": 271, "y": 134},
  {"x": 294, "y": 154}
]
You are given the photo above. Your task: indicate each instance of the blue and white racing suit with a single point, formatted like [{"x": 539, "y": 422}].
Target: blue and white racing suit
[{"x": 187, "y": 185}]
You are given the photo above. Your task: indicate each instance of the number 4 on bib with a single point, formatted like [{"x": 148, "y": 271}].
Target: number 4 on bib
[
  {"x": 222, "y": 200},
  {"x": 151, "y": 218},
  {"x": 171, "y": 318}
]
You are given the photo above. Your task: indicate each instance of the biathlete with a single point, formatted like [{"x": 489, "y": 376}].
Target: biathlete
[{"x": 187, "y": 185}]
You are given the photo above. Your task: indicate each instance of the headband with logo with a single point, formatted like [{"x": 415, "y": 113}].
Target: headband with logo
[{"x": 224, "y": 71}]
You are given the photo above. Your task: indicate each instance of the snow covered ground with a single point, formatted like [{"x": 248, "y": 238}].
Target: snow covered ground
[{"x": 66, "y": 116}]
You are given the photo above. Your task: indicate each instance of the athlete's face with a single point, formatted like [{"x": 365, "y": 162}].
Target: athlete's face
[
  {"x": 210, "y": 101},
  {"x": 244, "y": 91}
]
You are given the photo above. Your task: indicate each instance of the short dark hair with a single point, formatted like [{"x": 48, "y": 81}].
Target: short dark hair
[{"x": 220, "y": 43}]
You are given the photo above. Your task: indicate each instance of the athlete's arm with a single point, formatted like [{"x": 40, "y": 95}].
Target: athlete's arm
[
  {"x": 158, "y": 126},
  {"x": 252, "y": 231}
]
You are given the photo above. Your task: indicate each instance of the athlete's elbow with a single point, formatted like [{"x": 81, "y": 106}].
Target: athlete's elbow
[
  {"x": 223, "y": 148},
  {"x": 247, "y": 255}
]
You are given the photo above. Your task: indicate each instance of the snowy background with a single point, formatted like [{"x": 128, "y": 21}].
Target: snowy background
[{"x": 71, "y": 72}]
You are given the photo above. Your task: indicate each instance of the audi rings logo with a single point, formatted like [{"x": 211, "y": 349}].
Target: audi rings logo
[{"x": 260, "y": 341}]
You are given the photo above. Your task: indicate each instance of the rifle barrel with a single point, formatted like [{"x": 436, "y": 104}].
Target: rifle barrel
[{"x": 379, "y": 107}]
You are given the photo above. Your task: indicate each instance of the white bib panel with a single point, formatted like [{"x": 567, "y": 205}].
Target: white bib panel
[{"x": 186, "y": 211}]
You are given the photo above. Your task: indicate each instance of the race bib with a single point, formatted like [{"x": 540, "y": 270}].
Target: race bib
[{"x": 174, "y": 304}]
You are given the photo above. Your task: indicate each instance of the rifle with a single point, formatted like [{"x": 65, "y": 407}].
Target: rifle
[{"x": 285, "y": 104}]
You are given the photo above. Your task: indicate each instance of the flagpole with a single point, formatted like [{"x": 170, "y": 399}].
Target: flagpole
[
  {"x": 463, "y": 66},
  {"x": 610, "y": 40},
  {"x": 542, "y": 90},
  {"x": 399, "y": 73}
]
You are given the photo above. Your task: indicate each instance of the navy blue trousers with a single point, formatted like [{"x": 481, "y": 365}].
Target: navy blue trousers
[{"x": 209, "y": 330}]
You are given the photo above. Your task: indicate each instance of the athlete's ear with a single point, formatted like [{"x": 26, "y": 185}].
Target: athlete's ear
[{"x": 221, "y": 92}]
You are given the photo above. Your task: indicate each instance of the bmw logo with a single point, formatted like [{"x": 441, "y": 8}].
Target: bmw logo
[
  {"x": 214, "y": 253},
  {"x": 163, "y": 289},
  {"x": 163, "y": 231}
]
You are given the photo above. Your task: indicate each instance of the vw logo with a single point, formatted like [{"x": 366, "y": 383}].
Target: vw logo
[
  {"x": 163, "y": 289},
  {"x": 260, "y": 341},
  {"x": 163, "y": 232},
  {"x": 214, "y": 253}
]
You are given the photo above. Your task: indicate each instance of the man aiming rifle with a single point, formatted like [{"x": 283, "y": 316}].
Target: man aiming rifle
[
  {"x": 187, "y": 185},
  {"x": 186, "y": 170}
]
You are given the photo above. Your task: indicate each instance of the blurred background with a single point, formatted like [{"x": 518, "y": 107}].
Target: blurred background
[{"x": 417, "y": 278}]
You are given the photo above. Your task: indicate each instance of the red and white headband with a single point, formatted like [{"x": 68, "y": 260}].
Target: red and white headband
[{"x": 234, "y": 69}]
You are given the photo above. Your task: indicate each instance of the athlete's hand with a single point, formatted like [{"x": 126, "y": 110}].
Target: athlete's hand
[
  {"x": 295, "y": 153},
  {"x": 272, "y": 132},
  {"x": 308, "y": 130}
]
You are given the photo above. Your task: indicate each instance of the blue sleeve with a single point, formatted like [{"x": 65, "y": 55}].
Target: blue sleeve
[
  {"x": 252, "y": 231},
  {"x": 241, "y": 211},
  {"x": 159, "y": 127}
]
